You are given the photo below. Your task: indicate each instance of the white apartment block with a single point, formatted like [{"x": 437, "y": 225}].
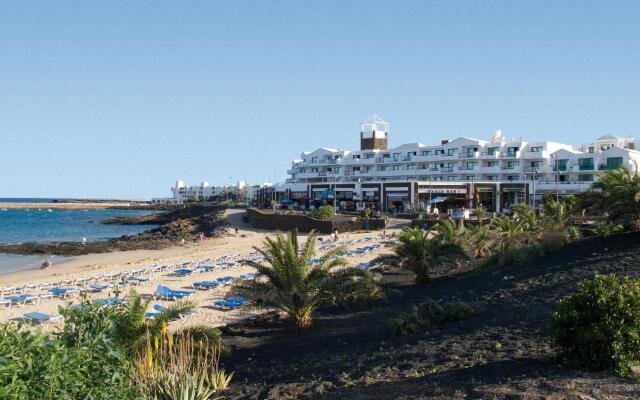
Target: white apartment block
[
  {"x": 182, "y": 193},
  {"x": 462, "y": 172}
]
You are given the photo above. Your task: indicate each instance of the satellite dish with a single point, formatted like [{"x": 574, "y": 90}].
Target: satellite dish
[{"x": 497, "y": 137}]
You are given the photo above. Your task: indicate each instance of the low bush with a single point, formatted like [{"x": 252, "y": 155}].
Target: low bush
[
  {"x": 510, "y": 257},
  {"x": 598, "y": 327},
  {"x": 428, "y": 314},
  {"x": 32, "y": 366},
  {"x": 324, "y": 212},
  {"x": 607, "y": 228},
  {"x": 552, "y": 240}
]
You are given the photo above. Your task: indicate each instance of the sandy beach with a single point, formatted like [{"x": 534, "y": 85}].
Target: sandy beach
[{"x": 83, "y": 268}]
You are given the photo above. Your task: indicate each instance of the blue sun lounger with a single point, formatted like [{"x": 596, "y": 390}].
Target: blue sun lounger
[
  {"x": 230, "y": 303},
  {"x": 40, "y": 317},
  {"x": 95, "y": 287},
  {"x": 204, "y": 268},
  {"x": 204, "y": 285},
  {"x": 62, "y": 292},
  {"x": 182, "y": 272},
  {"x": 22, "y": 299},
  {"x": 111, "y": 301},
  {"x": 164, "y": 292},
  {"x": 161, "y": 309}
]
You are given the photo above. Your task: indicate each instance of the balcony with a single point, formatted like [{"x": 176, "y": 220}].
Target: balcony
[
  {"x": 588, "y": 167},
  {"x": 468, "y": 168},
  {"x": 446, "y": 169},
  {"x": 537, "y": 170},
  {"x": 490, "y": 154},
  {"x": 322, "y": 174},
  {"x": 531, "y": 155},
  {"x": 468, "y": 154},
  {"x": 561, "y": 168},
  {"x": 433, "y": 169},
  {"x": 510, "y": 167},
  {"x": 407, "y": 158},
  {"x": 511, "y": 154},
  {"x": 605, "y": 167}
]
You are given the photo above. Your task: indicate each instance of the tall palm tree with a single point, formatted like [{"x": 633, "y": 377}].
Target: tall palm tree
[
  {"x": 420, "y": 253},
  {"x": 617, "y": 193},
  {"x": 289, "y": 279}
]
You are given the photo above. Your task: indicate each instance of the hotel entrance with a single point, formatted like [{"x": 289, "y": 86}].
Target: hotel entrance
[
  {"x": 511, "y": 197},
  {"x": 486, "y": 199}
]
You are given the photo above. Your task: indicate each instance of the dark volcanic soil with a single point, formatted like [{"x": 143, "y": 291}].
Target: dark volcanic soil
[
  {"x": 502, "y": 352},
  {"x": 174, "y": 225}
]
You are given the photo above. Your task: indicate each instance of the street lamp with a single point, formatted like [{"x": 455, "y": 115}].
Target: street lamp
[{"x": 555, "y": 158}]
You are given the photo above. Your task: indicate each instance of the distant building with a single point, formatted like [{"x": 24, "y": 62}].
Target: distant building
[
  {"x": 463, "y": 172},
  {"x": 182, "y": 193}
]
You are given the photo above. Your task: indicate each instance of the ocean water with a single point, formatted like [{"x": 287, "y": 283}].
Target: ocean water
[{"x": 44, "y": 225}]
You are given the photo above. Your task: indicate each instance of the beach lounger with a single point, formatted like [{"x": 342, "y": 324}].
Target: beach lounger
[
  {"x": 164, "y": 292},
  {"x": 40, "y": 317},
  {"x": 204, "y": 268},
  {"x": 137, "y": 281},
  {"x": 182, "y": 272},
  {"x": 161, "y": 309},
  {"x": 22, "y": 299},
  {"x": 5, "y": 303},
  {"x": 111, "y": 301},
  {"x": 62, "y": 292},
  {"x": 96, "y": 287},
  {"x": 230, "y": 303},
  {"x": 204, "y": 285}
]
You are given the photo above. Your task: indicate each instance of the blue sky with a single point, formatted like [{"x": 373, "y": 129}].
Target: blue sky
[{"x": 120, "y": 99}]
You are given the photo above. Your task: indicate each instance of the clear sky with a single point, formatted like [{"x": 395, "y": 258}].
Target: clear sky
[{"x": 120, "y": 99}]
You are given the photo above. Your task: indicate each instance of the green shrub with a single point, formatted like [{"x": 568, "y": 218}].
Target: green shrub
[
  {"x": 510, "y": 257},
  {"x": 598, "y": 327},
  {"x": 324, "y": 212},
  {"x": 608, "y": 228},
  {"x": 552, "y": 240},
  {"x": 428, "y": 314},
  {"x": 34, "y": 367},
  {"x": 366, "y": 213}
]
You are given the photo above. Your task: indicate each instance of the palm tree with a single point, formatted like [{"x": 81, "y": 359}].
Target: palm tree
[
  {"x": 481, "y": 238},
  {"x": 527, "y": 217},
  {"x": 617, "y": 193},
  {"x": 511, "y": 232},
  {"x": 130, "y": 325},
  {"x": 289, "y": 279},
  {"x": 479, "y": 213},
  {"x": 556, "y": 213},
  {"x": 419, "y": 253},
  {"x": 449, "y": 232}
]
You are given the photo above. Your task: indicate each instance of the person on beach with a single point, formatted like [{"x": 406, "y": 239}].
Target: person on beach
[
  {"x": 236, "y": 228},
  {"x": 46, "y": 264}
]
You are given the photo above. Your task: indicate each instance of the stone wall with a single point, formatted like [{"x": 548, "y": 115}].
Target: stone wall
[{"x": 304, "y": 223}]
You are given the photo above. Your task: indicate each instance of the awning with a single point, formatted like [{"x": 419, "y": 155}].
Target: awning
[{"x": 438, "y": 199}]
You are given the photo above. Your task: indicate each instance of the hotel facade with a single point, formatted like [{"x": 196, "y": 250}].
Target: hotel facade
[{"x": 462, "y": 172}]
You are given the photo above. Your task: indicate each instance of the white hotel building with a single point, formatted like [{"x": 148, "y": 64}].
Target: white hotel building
[{"x": 460, "y": 172}]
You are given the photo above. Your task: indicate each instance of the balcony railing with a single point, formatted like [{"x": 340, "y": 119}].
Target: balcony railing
[
  {"x": 433, "y": 169},
  {"x": 586, "y": 167},
  {"x": 560, "y": 169},
  {"x": 467, "y": 167},
  {"x": 510, "y": 154},
  {"x": 469, "y": 154},
  {"x": 537, "y": 170},
  {"x": 509, "y": 167},
  {"x": 605, "y": 167},
  {"x": 407, "y": 158},
  {"x": 446, "y": 169},
  {"x": 490, "y": 153}
]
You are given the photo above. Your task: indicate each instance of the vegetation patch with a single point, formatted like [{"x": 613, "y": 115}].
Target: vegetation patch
[
  {"x": 324, "y": 212},
  {"x": 598, "y": 327},
  {"x": 428, "y": 314}
]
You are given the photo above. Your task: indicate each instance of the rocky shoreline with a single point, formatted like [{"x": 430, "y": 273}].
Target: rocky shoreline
[{"x": 176, "y": 226}]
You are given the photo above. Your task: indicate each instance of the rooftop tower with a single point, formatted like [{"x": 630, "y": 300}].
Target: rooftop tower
[{"x": 374, "y": 133}]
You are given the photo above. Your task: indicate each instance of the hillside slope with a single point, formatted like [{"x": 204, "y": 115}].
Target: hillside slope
[{"x": 501, "y": 352}]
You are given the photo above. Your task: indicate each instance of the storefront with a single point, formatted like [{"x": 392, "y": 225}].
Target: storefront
[
  {"x": 300, "y": 198},
  {"x": 322, "y": 197},
  {"x": 444, "y": 197},
  {"x": 485, "y": 198},
  {"x": 511, "y": 196},
  {"x": 345, "y": 199}
]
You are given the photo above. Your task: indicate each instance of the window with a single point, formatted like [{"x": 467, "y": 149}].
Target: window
[
  {"x": 314, "y": 159},
  {"x": 356, "y": 156},
  {"x": 411, "y": 166},
  {"x": 387, "y": 155},
  {"x": 451, "y": 152},
  {"x": 412, "y": 153},
  {"x": 591, "y": 149},
  {"x": 536, "y": 149},
  {"x": 370, "y": 155},
  {"x": 439, "y": 152},
  {"x": 614, "y": 162},
  {"x": 470, "y": 177},
  {"x": 396, "y": 167},
  {"x": 395, "y": 156},
  {"x": 560, "y": 165},
  {"x": 492, "y": 164},
  {"x": 314, "y": 169},
  {"x": 424, "y": 153},
  {"x": 585, "y": 164},
  {"x": 356, "y": 168},
  {"x": 536, "y": 164}
]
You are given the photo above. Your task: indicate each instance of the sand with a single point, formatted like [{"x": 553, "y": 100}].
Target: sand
[{"x": 240, "y": 244}]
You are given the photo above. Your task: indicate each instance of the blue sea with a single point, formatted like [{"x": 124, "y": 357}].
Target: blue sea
[{"x": 50, "y": 225}]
